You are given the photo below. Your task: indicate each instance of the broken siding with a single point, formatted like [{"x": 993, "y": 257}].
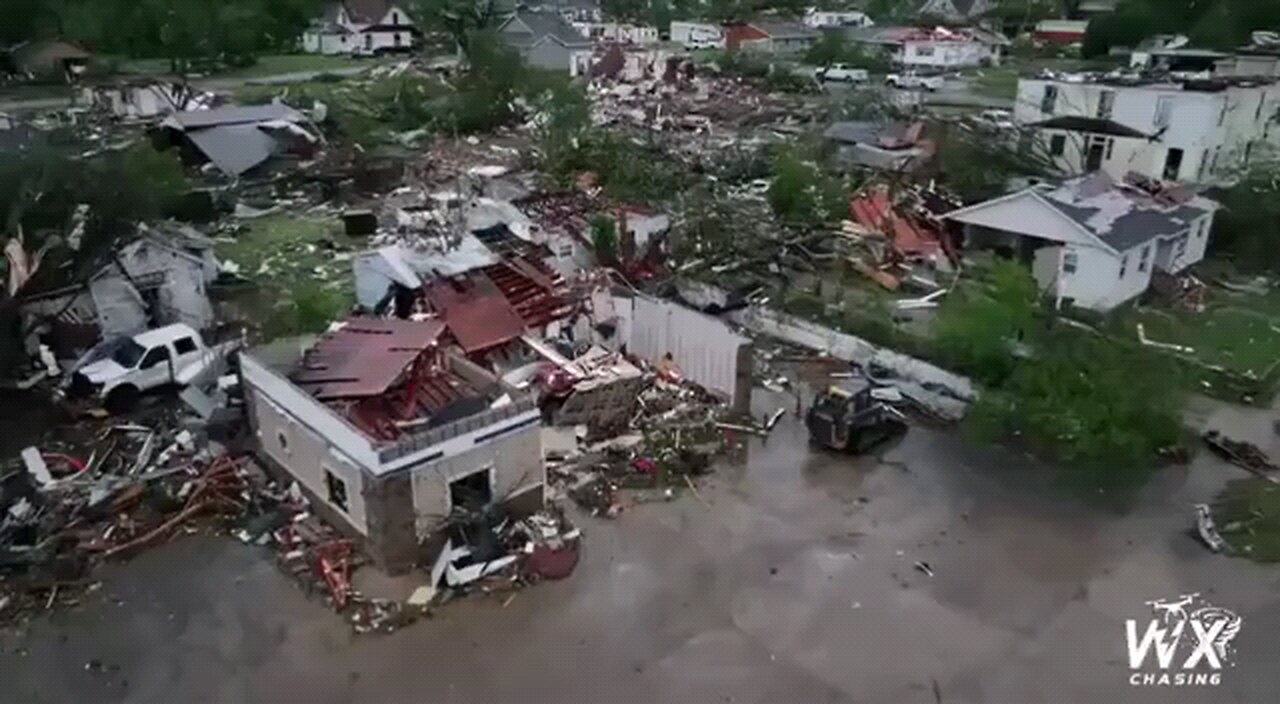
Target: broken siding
[
  {"x": 708, "y": 351},
  {"x": 516, "y": 466}
]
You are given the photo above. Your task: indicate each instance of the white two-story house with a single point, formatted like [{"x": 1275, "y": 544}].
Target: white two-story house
[
  {"x": 1094, "y": 242},
  {"x": 362, "y": 27},
  {"x": 1200, "y": 131}
]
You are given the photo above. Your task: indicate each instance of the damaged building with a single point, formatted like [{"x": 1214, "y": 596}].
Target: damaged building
[
  {"x": 162, "y": 277},
  {"x": 1092, "y": 241},
  {"x": 237, "y": 139},
  {"x": 391, "y": 432}
]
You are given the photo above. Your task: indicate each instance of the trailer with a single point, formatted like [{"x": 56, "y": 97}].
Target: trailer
[{"x": 697, "y": 35}]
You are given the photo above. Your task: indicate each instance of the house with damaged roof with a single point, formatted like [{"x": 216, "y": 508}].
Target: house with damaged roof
[
  {"x": 391, "y": 431},
  {"x": 1092, "y": 241},
  {"x": 360, "y": 27},
  {"x": 237, "y": 139}
]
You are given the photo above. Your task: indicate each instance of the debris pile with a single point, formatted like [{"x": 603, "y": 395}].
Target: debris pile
[
  {"x": 1242, "y": 454},
  {"x": 132, "y": 487},
  {"x": 675, "y": 433}
]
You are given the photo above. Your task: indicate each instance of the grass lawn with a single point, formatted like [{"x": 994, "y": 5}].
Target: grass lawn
[
  {"x": 997, "y": 82},
  {"x": 297, "y": 63},
  {"x": 301, "y": 264},
  {"x": 1238, "y": 332},
  {"x": 269, "y": 65},
  {"x": 1247, "y": 514}
]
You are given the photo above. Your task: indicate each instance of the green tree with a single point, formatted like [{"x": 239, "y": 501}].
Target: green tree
[
  {"x": 1247, "y": 228},
  {"x": 461, "y": 19},
  {"x": 604, "y": 239},
  {"x": 976, "y": 332},
  {"x": 801, "y": 194}
]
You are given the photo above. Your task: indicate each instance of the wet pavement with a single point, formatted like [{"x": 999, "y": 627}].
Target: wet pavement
[{"x": 792, "y": 580}]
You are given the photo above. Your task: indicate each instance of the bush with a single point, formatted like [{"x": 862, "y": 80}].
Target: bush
[
  {"x": 976, "y": 331},
  {"x": 801, "y": 194},
  {"x": 1104, "y": 409}
]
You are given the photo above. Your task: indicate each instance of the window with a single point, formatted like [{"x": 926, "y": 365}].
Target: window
[
  {"x": 283, "y": 441},
  {"x": 1057, "y": 145},
  {"x": 1070, "y": 260},
  {"x": 1262, "y": 100},
  {"x": 1164, "y": 110},
  {"x": 1145, "y": 261},
  {"x": 1124, "y": 265},
  {"x": 1182, "y": 245},
  {"x": 155, "y": 356},
  {"x": 1172, "y": 164},
  {"x": 1049, "y": 100},
  {"x": 395, "y": 39},
  {"x": 471, "y": 492},
  {"x": 924, "y": 51},
  {"x": 395, "y": 18},
  {"x": 184, "y": 345},
  {"x": 337, "y": 489},
  {"x": 1106, "y": 104}
]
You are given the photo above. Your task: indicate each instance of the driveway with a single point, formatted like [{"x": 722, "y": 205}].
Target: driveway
[{"x": 793, "y": 578}]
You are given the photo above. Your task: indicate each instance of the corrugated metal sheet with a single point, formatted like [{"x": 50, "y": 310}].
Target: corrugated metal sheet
[
  {"x": 364, "y": 358},
  {"x": 708, "y": 351}
]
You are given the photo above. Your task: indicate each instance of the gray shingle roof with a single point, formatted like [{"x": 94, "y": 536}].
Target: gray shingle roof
[
  {"x": 783, "y": 29},
  {"x": 545, "y": 24},
  {"x": 1119, "y": 216}
]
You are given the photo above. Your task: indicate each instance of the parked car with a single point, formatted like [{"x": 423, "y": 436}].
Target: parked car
[
  {"x": 843, "y": 73},
  {"x": 704, "y": 43},
  {"x": 118, "y": 371},
  {"x": 912, "y": 81}
]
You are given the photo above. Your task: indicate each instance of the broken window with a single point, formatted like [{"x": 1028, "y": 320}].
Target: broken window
[
  {"x": 1070, "y": 260},
  {"x": 1057, "y": 145},
  {"x": 337, "y": 489},
  {"x": 1049, "y": 100},
  {"x": 1145, "y": 261},
  {"x": 1106, "y": 104},
  {"x": 471, "y": 492},
  {"x": 154, "y": 357},
  {"x": 1124, "y": 265},
  {"x": 1172, "y": 164}
]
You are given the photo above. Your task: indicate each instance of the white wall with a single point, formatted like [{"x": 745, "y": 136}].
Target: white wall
[
  {"x": 514, "y": 463},
  {"x": 1024, "y": 214},
  {"x": 314, "y": 438},
  {"x": 686, "y": 32},
  {"x": 1120, "y": 156},
  {"x": 706, "y": 348},
  {"x": 1201, "y": 124},
  {"x": 947, "y": 53},
  {"x": 1096, "y": 282}
]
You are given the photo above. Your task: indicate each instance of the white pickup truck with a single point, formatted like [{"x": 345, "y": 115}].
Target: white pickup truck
[
  {"x": 118, "y": 371},
  {"x": 911, "y": 81},
  {"x": 843, "y": 73}
]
